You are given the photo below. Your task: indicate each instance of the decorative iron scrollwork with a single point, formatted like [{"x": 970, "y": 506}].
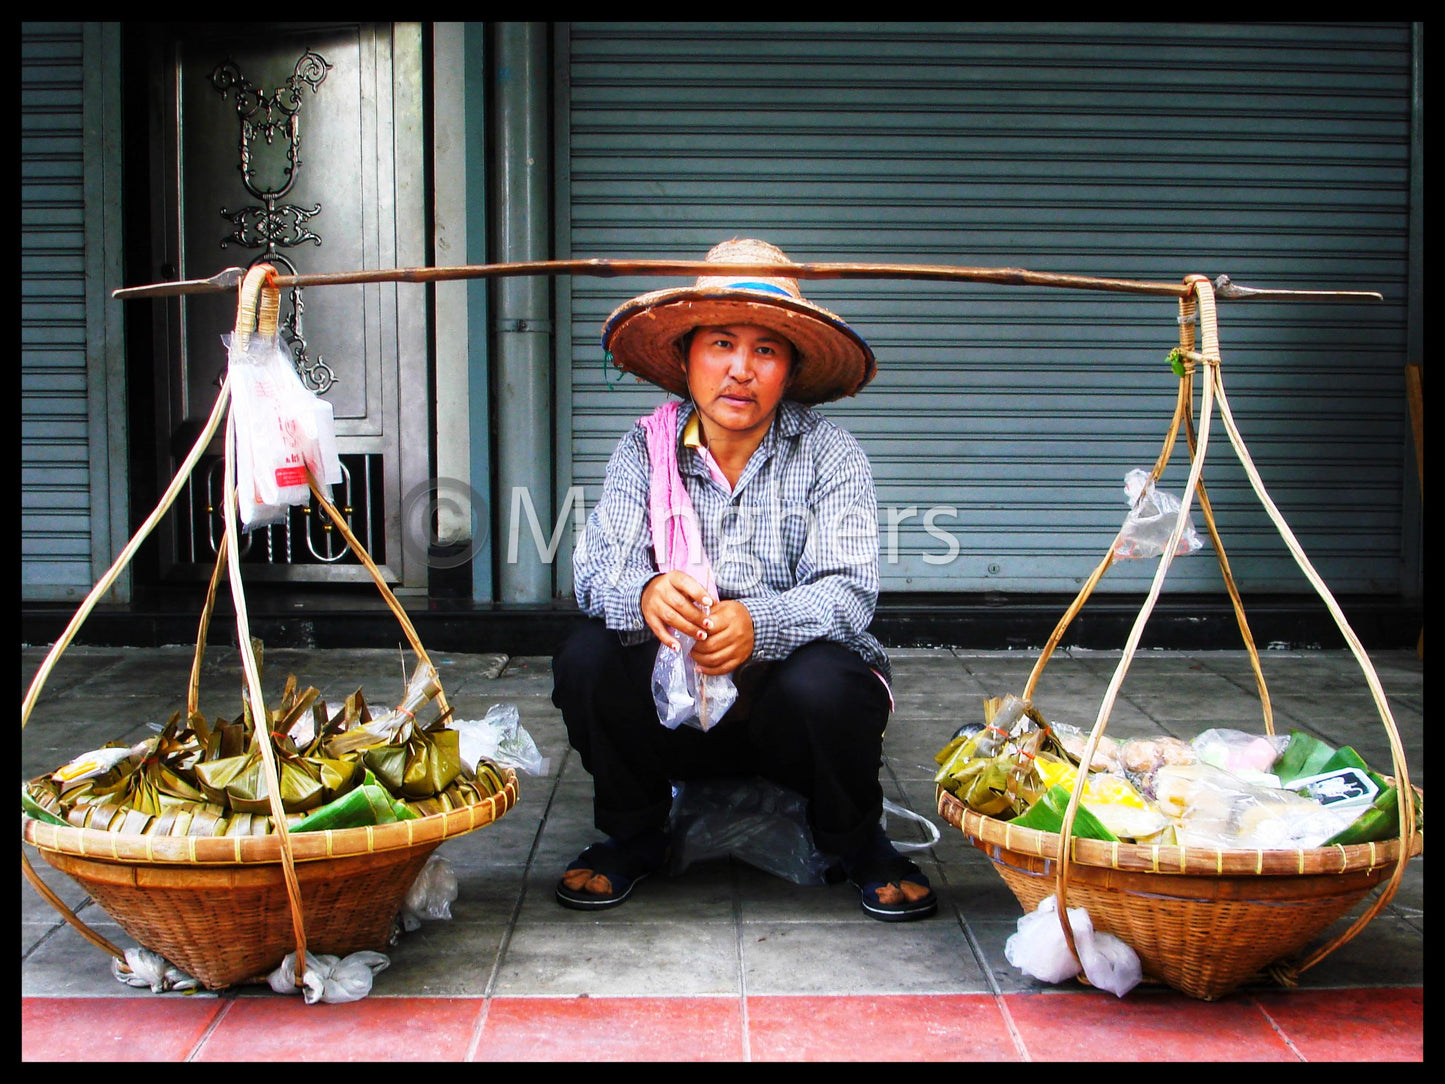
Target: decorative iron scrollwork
[{"x": 275, "y": 225}]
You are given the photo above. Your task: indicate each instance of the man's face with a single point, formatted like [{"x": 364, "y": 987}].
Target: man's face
[{"x": 737, "y": 375}]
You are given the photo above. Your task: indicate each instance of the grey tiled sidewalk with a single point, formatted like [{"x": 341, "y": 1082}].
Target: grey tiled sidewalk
[{"x": 722, "y": 927}]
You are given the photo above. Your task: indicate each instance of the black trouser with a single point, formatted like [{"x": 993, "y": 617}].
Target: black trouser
[{"x": 812, "y": 722}]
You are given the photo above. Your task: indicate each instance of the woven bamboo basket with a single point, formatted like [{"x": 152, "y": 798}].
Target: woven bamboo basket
[
  {"x": 227, "y": 910},
  {"x": 1202, "y": 920}
]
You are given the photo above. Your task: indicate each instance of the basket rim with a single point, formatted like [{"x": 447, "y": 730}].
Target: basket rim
[
  {"x": 1174, "y": 860},
  {"x": 434, "y": 828}
]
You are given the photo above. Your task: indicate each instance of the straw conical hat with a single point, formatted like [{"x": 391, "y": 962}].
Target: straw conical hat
[{"x": 643, "y": 336}]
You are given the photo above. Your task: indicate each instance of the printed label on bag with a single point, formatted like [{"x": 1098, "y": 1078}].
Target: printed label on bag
[
  {"x": 291, "y": 476},
  {"x": 1342, "y": 787}
]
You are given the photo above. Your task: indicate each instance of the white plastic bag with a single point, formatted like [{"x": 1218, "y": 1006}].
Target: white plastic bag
[
  {"x": 431, "y": 894},
  {"x": 282, "y": 429},
  {"x": 1039, "y": 950},
  {"x": 332, "y": 979},
  {"x": 1151, "y": 519},
  {"x": 685, "y": 697},
  {"x": 499, "y": 736},
  {"x": 142, "y": 967}
]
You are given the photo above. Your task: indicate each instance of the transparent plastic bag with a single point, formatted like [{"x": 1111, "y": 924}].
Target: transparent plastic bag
[
  {"x": 1151, "y": 519},
  {"x": 430, "y": 895},
  {"x": 685, "y": 697},
  {"x": 499, "y": 736},
  {"x": 282, "y": 429},
  {"x": 1215, "y": 808},
  {"x": 1039, "y": 950},
  {"x": 1249, "y": 756}
]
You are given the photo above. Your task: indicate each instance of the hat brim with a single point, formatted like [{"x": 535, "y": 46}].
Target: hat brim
[{"x": 644, "y": 337}]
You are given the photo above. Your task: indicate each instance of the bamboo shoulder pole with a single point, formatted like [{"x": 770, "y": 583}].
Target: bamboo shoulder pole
[{"x": 601, "y": 268}]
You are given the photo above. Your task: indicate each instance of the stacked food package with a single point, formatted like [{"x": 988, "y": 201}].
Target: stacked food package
[{"x": 1223, "y": 788}]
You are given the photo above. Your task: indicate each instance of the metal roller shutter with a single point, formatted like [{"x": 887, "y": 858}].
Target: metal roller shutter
[
  {"x": 1276, "y": 154},
  {"x": 54, "y": 456}
]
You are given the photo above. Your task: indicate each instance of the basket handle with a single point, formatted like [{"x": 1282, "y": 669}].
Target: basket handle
[
  {"x": 1183, "y": 417},
  {"x": 1213, "y": 388}
]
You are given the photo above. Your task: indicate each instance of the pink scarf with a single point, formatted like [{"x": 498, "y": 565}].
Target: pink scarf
[{"x": 676, "y": 537}]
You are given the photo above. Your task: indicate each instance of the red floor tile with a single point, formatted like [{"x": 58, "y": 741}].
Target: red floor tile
[
  {"x": 286, "y": 1029},
  {"x": 612, "y": 1029},
  {"x": 900, "y": 1027},
  {"x": 99, "y": 1029},
  {"x": 1145, "y": 1025},
  {"x": 1351, "y": 1025}
]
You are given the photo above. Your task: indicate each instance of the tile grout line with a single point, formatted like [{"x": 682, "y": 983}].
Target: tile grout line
[
  {"x": 747, "y": 1040},
  {"x": 478, "y": 1029},
  {"x": 489, "y": 991},
  {"x": 1278, "y": 1030},
  {"x": 195, "y": 1052}
]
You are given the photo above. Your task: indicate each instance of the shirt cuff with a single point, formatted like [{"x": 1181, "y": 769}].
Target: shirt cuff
[
  {"x": 628, "y": 613},
  {"x": 765, "y": 610}
]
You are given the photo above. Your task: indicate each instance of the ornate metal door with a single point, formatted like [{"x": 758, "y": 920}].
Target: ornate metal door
[{"x": 301, "y": 145}]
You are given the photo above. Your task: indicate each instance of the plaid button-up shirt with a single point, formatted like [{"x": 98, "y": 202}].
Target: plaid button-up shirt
[{"x": 796, "y": 541}]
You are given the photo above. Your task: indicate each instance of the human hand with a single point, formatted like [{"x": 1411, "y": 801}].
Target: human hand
[
  {"x": 674, "y": 600},
  {"x": 729, "y": 641}
]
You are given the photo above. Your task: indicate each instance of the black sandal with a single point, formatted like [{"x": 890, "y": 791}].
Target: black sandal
[
  {"x": 879, "y": 874},
  {"x": 616, "y": 868}
]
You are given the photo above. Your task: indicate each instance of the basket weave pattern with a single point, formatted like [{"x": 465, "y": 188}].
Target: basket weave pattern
[
  {"x": 218, "y": 908},
  {"x": 1203, "y": 932}
]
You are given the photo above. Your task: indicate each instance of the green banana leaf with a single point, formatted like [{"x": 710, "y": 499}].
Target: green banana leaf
[
  {"x": 1306, "y": 756},
  {"x": 1047, "y": 815},
  {"x": 369, "y": 803},
  {"x": 34, "y": 809}
]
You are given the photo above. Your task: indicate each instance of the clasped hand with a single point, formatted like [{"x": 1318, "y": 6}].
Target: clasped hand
[{"x": 723, "y": 630}]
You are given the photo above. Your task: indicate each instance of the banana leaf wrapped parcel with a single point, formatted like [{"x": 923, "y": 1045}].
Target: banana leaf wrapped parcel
[
  {"x": 992, "y": 770},
  {"x": 339, "y": 770},
  {"x": 410, "y": 760}
]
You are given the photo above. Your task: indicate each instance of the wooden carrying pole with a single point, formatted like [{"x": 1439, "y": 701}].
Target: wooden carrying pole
[{"x": 1007, "y": 276}]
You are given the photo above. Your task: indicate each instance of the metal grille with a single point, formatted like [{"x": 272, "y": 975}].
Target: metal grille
[{"x": 306, "y": 540}]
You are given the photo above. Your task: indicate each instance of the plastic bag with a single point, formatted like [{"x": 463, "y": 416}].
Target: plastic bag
[
  {"x": 752, "y": 819},
  {"x": 1249, "y": 756},
  {"x": 907, "y": 814},
  {"x": 142, "y": 967},
  {"x": 1111, "y": 798},
  {"x": 332, "y": 979},
  {"x": 1039, "y": 950},
  {"x": 499, "y": 736},
  {"x": 764, "y": 824},
  {"x": 685, "y": 697},
  {"x": 1151, "y": 519},
  {"x": 431, "y": 894},
  {"x": 282, "y": 429},
  {"x": 1213, "y": 808}
]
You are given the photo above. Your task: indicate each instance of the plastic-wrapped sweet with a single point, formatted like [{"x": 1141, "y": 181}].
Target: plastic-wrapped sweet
[
  {"x": 1111, "y": 798},
  {"x": 1249, "y": 756},
  {"x": 1214, "y": 808}
]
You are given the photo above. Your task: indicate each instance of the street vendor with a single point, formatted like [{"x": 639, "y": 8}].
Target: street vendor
[{"x": 773, "y": 593}]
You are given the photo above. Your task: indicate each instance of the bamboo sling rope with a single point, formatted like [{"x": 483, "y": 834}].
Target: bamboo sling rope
[
  {"x": 1213, "y": 387},
  {"x": 258, "y": 303}
]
